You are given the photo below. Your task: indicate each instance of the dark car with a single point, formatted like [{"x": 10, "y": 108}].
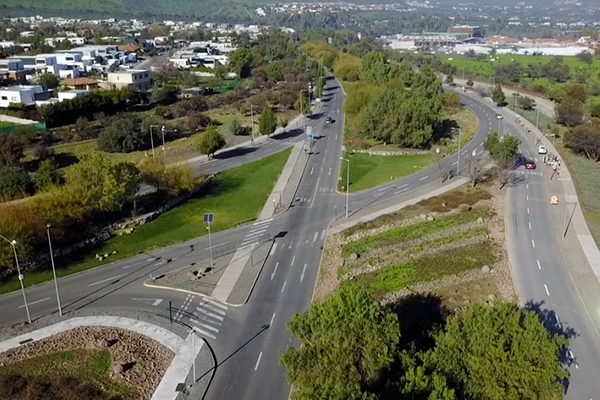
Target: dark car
[
  {"x": 530, "y": 165},
  {"x": 328, "y": 120}
]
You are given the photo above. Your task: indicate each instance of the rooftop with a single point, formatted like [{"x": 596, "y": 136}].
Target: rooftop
[
  {"x": 129, "y": 71},
  {"x": 20, "y": 88}
]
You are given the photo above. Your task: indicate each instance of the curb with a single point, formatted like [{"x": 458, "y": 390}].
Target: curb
[{"x": 257, "y": 276}]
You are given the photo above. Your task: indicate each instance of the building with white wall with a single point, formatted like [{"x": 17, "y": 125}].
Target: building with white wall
[
  {"x": 139, "y": 79},
  {"x": 23, "y": 94}
]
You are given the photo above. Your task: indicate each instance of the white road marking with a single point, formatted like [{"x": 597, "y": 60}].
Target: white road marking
[
  {"x": 258, "y": 361},
  {"x": 336, "y": 137},
  {"x": 272, "y": 319},
  {"x": 378, "y": 194},
  {"x": 527, "y": 186},
  {"x": 423, "y": 178},
  {"x": 211, "y": 328},
  {"x": 315, "y": 195},
  {"x": 530, "y": 226},
  {"x": 274, "y": 271},
  {"x": 329, "y": 171},
  {"x": 273, "y": 249},
  {"x": 212, "y": 308},
  {"x": 35, "y": 302},
  {"x": 202, "y": 332},
  {"x": 151, "y": 259},
  {"x": 527, "y": 210},
  {"x": 312, "y": 170},
  {"x": 546, "y": 287},
  {"x": 557, "y": 321},
  {"x": 212, "y": 315},
  {"x": 263, "y": 221},
  {"x": 539, "y": 265},
  {"x": 291, "y": 244},
  {"x": 214, "y": 303},
  {"x": 316, "y": 237},
  {"x": 283, "y": 288},
  {"x": 159, "y": 263},
  {"x": 293, "y": 259},
  {"x": 152, "y": 302},
  {"x": 532, "y": 243},
  {"x": 455, "y": 162},
  {"x": 303, "y": 271},
  {"x": 527, "y": 197},
  {"x": 400, "y": 191},
  {"x": 106, "y": 280},
  {"x": 383, "y": 188},
  {"x": 323, "y": 234},
  {"x": 134, "y": 264}
]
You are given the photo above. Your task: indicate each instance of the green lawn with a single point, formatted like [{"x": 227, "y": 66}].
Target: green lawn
[
  {"x": 4, "y": 124},
  {"x": 62, "y": 374},
  {"x": 235, "y": 197},
  {"x": 370, "y": 171}
]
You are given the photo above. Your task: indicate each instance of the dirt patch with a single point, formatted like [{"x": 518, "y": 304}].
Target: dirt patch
[{"x": 100, "y": 362}]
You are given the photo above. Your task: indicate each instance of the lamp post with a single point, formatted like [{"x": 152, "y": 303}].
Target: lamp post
[
  {"x": 458, "y": 154},
  {"x": 152, "y": 142},
  {"x": 164, "y": 146},
  {"x": 347, "y": 183},
  {"x": 53, "y": 270},
  {"x": 252, "y": 119},
  {"x": 13, "y": 243}
]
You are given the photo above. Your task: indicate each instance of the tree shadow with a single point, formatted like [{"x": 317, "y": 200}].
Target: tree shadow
[
  {"x": 65, "y": 159},
  {"x": 240, "y": 151},
  {"x": 444, "y": 130},
  {"x": 419, "y": 316},
  {"x": 290, "y": 133}
]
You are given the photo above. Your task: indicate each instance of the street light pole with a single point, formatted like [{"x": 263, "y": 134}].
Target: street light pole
[
  {"x": 347, "y": 183},
  {"x": 162, "y": 129},
  {"x": 252, "y": 121},
  {"x": 212, "y": 269},
  {"x": 54, "y": 270},
  {"x": 458, "y": 155},
  {"x": 13, "y": 243},
  {"x": 152, "y": 143},
  {"x": 193, "y": 355}
]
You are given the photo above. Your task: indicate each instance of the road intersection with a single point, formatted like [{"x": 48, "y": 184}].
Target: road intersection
[{"x": 247, "y": 340}]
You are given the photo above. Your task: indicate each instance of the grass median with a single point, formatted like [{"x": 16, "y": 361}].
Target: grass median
[{"x": 235, "y": 197}]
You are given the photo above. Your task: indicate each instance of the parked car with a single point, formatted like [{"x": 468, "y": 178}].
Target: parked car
[
  {"x": 542, "y": 150},
  {"x": 530, "y": 165}
]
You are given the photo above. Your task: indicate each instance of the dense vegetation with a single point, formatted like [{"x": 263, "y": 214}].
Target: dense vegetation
[{"x": 352, "y": 348}]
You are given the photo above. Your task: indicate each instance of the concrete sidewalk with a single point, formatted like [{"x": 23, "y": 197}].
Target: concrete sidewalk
[{"x": 175, "y": 374}]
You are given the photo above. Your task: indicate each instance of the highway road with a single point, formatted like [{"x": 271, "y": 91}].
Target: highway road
[
  {"x": 542, "y": 278},
  {"x": 248, "y": 340}
]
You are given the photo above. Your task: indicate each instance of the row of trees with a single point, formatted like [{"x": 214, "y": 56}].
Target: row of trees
[{"x": 351, "y": 348}]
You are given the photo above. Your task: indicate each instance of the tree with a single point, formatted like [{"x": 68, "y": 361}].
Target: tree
[
  {"x": 498, "y": 96},
  {"x": 451, "y": 100},
  {"x": 346, "y": 342},
  {"x": 470, "y": 83},
  {"x": 283, "y": 122},
  {"x": 172, "y": 180},
  {"x": 591, "y": 32},
  {"x": 240, "y": 62},
  {"x": 449, "y": 80},
  {"x": 586, "y": 57},
  {"x": 166, "y": 94},
  {"x": 195, "y": 122},
  {"x": 474, "y": 170},
  {"x": 499, "y": 352},
  {"x": 41, "y": 151},
  {"x": 569, "y": 112},
  {"x": 48, "y": 81},
  {"x": 302, "y": 105},
  {"x": 577, "y": 92},
  {"x": 502, "y": 149},
  {"x": 122, "y": 136},
  {"x": 267, "y": 122},
  {"x": 585, "y": 139},
  {"x": 14, "y": 182},
  {"x": 47, "y": 175},
  {"x": 105, "y": 184},
  {"x": 236, "y": 128},
  {"x": 211, "y": 141},
  {"x": 11, "y": 151},
  {"x": 526, "y": 102}
]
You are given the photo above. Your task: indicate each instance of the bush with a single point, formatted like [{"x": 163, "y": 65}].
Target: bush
[
  {"x": 41, "y": 151},
  {"x": 14, "y": 182},
  {"x": 11, "y": 150},
  {"x": 211, "y": 141},
  {"x": 236, "y": 128},
  {"x": 122, "y": 136},
  {"x": 47, "y": 175},
  {"x": 196, "y": 122}
]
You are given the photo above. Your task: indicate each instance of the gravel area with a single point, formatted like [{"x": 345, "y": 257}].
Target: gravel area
[
  {"x": 244, "y": 285},
  {"x": 327, "y": 279},
  {"x": 184, "y": 278},
  {"x": 148, "y": 359}
]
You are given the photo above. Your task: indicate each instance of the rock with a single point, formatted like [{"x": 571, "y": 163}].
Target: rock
[
  {"x": 191, "y": 275},
  {"x": 490, "y": 303},
  {"x": 423, "y": 216},
  {"x": 354, "y": 257},
  {"x": 485, "y": 268},
  {"x": 430, "y": 218},
  {"x": 117, "y": 369},
  {"x": 100, "y": 258},
  {"x": 444, "y": 204},
  {"x": 491, "y": 297},
  {"x": 97, "y": 255},
  {"x": 102, "y": 343},
  {"x": 105, "y": 255},
  {"x": 114, "y": 252},
  {"x": 480, "y": 220}
]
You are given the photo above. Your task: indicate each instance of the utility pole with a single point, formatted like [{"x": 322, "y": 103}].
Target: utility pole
[
  {"x": 13, "y": 243},
  {"x": 54, "y": 270},
  {"x": 347, "y": 183},
  {"x": 152, "y": 143},
  {"x": 458, "y": 154},
  {"x": 162, "y": 129},
  {"x": 252, "y": 122}
]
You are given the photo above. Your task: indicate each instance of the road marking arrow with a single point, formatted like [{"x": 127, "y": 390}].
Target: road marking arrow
[
  {"x": 152, "y": 302},
  {"x": 303, "y": 271}
]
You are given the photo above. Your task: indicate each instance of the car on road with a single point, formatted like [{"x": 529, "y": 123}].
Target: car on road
[
  {"x": 499, "y": 116},
  {"x": 542, "y": 150},
  {"x": 530, "y": 165},
  {"x": 328, "y": 120}
]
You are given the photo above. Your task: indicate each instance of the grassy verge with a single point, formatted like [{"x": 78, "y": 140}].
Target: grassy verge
[
  {"x": 235, "y": 197},
  {"x": 62, "y": 374},
  {"x": 4, "y": 124}
]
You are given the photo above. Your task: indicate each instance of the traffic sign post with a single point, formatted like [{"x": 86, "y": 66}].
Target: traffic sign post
[{"x": 208, "y": 219}]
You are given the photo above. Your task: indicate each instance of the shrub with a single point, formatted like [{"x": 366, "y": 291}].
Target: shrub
[
  {"x": 14, "y": 182},
  {"x": 122, "y": 136}
]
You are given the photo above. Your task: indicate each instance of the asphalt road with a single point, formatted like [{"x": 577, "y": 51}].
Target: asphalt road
[
  {"x": 248, "y": 340},
  {"x": 542, "y": 278}
]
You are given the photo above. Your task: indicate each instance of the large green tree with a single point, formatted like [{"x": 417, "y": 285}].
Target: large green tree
[
  {"x": 211, "y": 141},
  {"x": 499, "y": 353},
  {"x": 267, "y": 122},
  {"x": 11, "y": 150},
  {"x": 47, "y": 175},
  {"x": 345, "y": 344},
  {"x": 240, "y": 62},
  {"x": 498, "y": 96},
  {"x": 14, "y": 182},
  {"x": 122, "y": 136},
  {"x": 503, "y": 149}
]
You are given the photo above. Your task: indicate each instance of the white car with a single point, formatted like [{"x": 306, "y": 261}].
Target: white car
[
  {"x": 542, "y": 150},
  {"x": 499, "y": 116}
]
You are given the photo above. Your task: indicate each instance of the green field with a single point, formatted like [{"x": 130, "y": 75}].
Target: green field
[
  {"x": 81, "y": 374},
  {"x": 235, "y": 197},
  {"x": 369, "y": 171},
  {"x": 485, "y": 68},
  {"x": 4, "y": 124}
]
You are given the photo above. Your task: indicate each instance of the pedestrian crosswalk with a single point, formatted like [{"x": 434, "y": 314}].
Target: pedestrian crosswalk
[
  {"x": 206, "y": 316},
  {"x": 529, "y": 172},
  {"x": 257, "y": 232}
]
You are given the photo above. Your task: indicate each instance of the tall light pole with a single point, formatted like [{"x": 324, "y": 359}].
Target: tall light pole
[
  {"x": 162, "y": 129},
  {"x": 53, "y": 270},
  {"x": 152, "y": 141},
  {"x": 13, "y": 243},
  {"x": 212, "y": 269},
  {"x": 458, "y": 154},
  {"x": 347, "y": 183},
  {"x": 252, "y": 119}
]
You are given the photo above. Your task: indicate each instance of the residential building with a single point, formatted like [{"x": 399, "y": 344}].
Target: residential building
[
  {"x": 139, "y": 79},
  {"x": 71, "y": 94},
  {"x": 471, "y": 31},
  {"x": 13, "y": 69},
  {"x": 23, "y": 94},
  {"x": 80, "y": 84}
]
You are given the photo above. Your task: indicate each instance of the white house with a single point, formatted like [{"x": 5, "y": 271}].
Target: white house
[
  {"x": 19, "y": 94},
  {"x": 71, "y": 94},
  {"x": 139, "y": 79}
]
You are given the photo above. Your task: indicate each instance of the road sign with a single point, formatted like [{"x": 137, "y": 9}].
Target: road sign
[{"x": 208, "y": 218}]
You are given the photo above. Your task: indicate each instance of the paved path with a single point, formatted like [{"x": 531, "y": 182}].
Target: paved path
[{"x": 177, "y": 371}]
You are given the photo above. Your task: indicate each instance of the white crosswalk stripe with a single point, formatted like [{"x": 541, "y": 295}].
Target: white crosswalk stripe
[
  {"x": 208, "y": 317},
  {"x": 257, "y": 232}
]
